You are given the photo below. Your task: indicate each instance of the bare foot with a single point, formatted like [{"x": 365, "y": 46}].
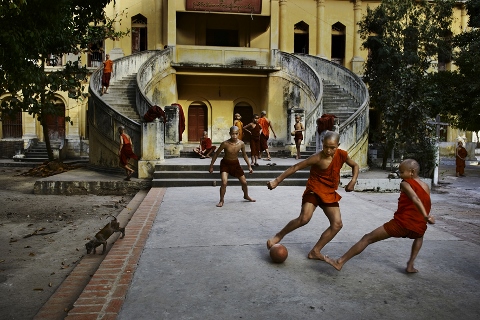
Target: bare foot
[
  {"x": 220, "y": 204},
  {"x": 333, "y": 263},
  {"x": 249, "y": 199},
  {"x": 411, "y": 269},
  {"x": 273, "y": 241},
  {"x": 315, "y": 256}
]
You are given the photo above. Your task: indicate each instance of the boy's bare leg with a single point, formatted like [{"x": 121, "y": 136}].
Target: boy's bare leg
[
  {"x": 223, "y": 188},
  {"x": 303, "y": 219},
  {"x": 243, "y": 181},
  {"x": 416, "y": 246},
  {"x": 374, "y": 236},
  {"x": 335, "y": 218}
]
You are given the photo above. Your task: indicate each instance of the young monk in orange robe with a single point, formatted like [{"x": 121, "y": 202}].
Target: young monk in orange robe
[
  {"x": 409, "y": 221},
  {"x": 320, "y": 191},
  {"x": 126, "y": 152},
  {"x": 461, "y": 155}
]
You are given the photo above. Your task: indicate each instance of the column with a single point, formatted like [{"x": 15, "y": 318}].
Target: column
[
  {"x": 117, "y": 51},
  {"x": 153, "y": 148},
  {"x": 283, "y": 25},
  {"x": 320, "y": 28},
  {"x": 357, "y": 61}
]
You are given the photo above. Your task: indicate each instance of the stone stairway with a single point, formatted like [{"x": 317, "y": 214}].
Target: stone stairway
[
  {"x": 198, "y": 175},
  {"x": 121, "y": 97},
  {"x": 337, "y": 101},
  {"x": 38, "y": 151}
]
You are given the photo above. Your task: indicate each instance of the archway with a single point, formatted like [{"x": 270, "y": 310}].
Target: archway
[
  {"x": 300, "y": 40},
  {"x": 246, "y": 112},
  {"x": 197, "y": 120},
  {"x": 139, "y": 33},
  {"x": 338, "y": 43},
  {"x": 56, "y": 123},
  {"x": 12, "y": 126}
]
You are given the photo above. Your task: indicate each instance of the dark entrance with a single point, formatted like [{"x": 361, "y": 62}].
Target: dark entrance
[
  {"x": 300, "y": 38},
  {"x": 56, "y": 124},
  {"x": 222, "y": 38},
  {"x": 338, "y": 43},
  {"x": 197, "y": 121},
  {"x": 246, "y": 111}
]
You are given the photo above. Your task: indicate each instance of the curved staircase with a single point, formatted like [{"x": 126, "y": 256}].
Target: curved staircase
[{"x": 342, "y": 93}]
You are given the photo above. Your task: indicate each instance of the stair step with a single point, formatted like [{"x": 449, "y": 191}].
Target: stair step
[{"x": 163, "y": 183}]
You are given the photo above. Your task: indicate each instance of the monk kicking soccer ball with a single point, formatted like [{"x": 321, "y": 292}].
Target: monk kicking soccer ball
[
  {"x": 230, "y": 164},
  {"x": 409, "y": 221},
  {"x": 320, "y": 191}
]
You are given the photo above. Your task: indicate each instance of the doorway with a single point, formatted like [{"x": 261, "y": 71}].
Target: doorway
[
  {"x": 139, "y": 33},
  {"x": 246, "y": 112},
  {"x": 56, "y": 124},
  {"x": 300, "y": 38},
  {"x": 338, "y": 43},
  {"x": 197, "y": 121}
]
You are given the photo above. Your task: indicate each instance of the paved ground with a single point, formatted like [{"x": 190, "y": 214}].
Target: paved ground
[{"x": 184, "y": 258}]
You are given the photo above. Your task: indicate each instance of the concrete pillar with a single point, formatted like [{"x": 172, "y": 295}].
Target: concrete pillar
[
  {"x": 153, "y": 148},
  {"x": 158, "y": 25},
  {"x": 171, "y": 24},
  {"x": 274, "y": 21},
  {"x": 283, "y": 25},
  {"x": 357, "y": 61},
  {"x": 321, "y": 52},
  {"x": 117, "y": 51},
  {"x": 464, "y": 19},
  {"x": 172, "y": 132}
]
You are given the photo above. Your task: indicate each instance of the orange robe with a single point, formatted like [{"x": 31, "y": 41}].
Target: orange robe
[
  {"x": 324, "y": 182},
  {"x": 459, "y": 160},
  {"x": 126, "y": 152},
  {"x": 239, "y": 125},
  {"x": 407, "y": 214},
  {"x": 206, "y": 144},
  {"x": 265, "y": 134}
]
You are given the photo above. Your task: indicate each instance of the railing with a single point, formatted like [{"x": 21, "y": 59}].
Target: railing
[
  {"x": 211, "y": 55},
  {"x": 353, "y": 131},
  {"x": 308, "y": 80},
  {"x": 148, "y": 76},
  {"x": 105, "y": 121}
]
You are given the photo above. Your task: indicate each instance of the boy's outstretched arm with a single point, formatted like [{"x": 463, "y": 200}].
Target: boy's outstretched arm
[
  {"x": 407, "y": 189},
  {"x": 298, "y": 166},
  {"x": 214, "y": 158},
  {"x": 355, "y": 170}
]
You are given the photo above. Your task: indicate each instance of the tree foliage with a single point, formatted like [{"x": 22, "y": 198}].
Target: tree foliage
[
  {"x": 31, "y": 31},
  {"x": 456, "y": 94},
  {"x": 403, "y": 38}
]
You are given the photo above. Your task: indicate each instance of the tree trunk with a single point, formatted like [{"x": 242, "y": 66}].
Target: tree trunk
[{"x": 43, "y": 120}]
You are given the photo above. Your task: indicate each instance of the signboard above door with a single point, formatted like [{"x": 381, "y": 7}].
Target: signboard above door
[{"x": 233, "y": 6}]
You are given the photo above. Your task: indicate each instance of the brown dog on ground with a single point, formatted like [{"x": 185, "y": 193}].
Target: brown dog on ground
[{"x": 102, "y": 236}]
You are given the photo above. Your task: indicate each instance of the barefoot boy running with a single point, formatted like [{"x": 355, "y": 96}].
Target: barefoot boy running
[
  {"x": 231, "y": 165},
  {"x": 320, "y": 191},
  {"x": 410, "y": 220}
]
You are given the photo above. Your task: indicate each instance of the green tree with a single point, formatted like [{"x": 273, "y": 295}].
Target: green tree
[
  {"x": 456, "y": 94},
  {"x": 403, "y": 38},
  {"x": 31, "y": 31}
]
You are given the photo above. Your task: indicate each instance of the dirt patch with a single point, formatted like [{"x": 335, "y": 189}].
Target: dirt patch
[{"x": 42, "y": 238}]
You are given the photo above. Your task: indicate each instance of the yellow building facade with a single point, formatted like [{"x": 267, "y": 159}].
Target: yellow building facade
[{"x": 223, "y": 60}]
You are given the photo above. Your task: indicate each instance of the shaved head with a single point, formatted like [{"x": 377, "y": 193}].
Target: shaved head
[
  {"x": 233, "y": 128},
  {"x": 411, "y": 164},
  {"x": 331, "y": 135}
]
